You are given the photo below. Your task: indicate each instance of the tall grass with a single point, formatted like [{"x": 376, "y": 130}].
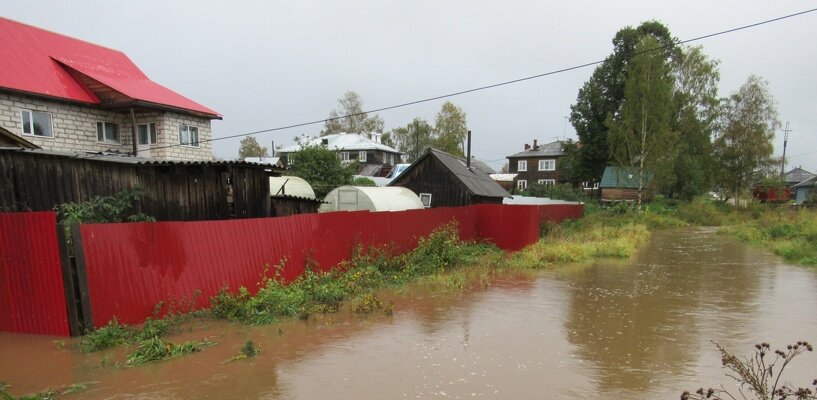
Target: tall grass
[
  {"x": 791, "y": 234},
  {"x": 600, "y": 234}
]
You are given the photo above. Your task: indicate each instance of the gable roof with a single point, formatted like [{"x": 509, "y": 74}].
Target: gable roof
[
  {"x": 807, "y": 183},
  {"x": 797, "y": 175},
  {"x": 623, "y": 178},
  {"x": 553, "y": 149},
  {"x": 474, "y": 180},
  {"x": 45, "y": 63},
  {"x": 340, "y": 142}
]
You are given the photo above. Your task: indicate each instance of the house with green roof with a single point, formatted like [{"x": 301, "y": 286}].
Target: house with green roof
[{"x": 621, "y": 184}]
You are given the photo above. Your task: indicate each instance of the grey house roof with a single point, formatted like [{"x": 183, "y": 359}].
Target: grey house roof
[
  {"x": 797, "y": 175},
  {"x": 481, "y": 166},
  {"x": 553, "y": 149},
  {"x": 807, "y": 183},
  {"x": 475, "y": 181},
  {"x": 623, "y": 178}
]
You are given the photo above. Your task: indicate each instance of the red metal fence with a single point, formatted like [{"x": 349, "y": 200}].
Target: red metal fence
[
  {"x": 131, "y": 267},
  {"x": 188, "y": 262},
  {"x": 32, "y": 295}
]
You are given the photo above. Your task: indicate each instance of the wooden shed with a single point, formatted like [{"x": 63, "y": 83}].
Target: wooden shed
[
  {"x": 621, "y": 184},
  {"x": 443, "y": 180},
  {"x": 37, "y": 180}
]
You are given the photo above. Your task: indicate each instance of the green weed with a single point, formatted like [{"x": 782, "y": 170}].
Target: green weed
[{"x": 156, "y": 349}]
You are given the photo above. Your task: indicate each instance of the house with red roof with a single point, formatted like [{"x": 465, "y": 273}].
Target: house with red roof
[{"x": 66, "y": 94}]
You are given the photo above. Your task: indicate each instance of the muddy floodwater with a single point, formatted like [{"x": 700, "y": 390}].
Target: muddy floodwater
[{"x": 625, "y": 330}]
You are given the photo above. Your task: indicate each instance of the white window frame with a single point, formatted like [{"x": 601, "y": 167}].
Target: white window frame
[
  {"x": 189, "y": 129},
  {"x": 543, "y": 165},
  {"x": 105, "y": 126},
  {"x": 547, "y": 182},
  {"x": 425, "y": 198},
  {"x": 344, "y": 156},
  {"x": 361, "y": 156},
  {"x": 522, "y": 184},
  {"x": 388, "y": 158},
  {"x": 31, "y": 123},
  {"x": 152, "y": 134},
  {"x": 522, "y": 165}
]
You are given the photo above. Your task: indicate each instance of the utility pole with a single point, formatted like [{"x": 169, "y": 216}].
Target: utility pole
[{"x": 785, "y": 142}]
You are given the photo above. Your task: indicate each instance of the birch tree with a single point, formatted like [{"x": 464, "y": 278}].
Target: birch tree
[{"x": 640, "y": 135}]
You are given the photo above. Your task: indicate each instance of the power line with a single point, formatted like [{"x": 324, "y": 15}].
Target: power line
[{"x": 491, "y": 86}]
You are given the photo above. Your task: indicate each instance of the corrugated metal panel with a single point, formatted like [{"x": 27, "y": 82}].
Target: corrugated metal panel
[
  {"x": 32, "y": 297},
  {"x": 510, "y": 227},
  {"x": 560, "y": 212},
  {"x": 132, "y": 267}
]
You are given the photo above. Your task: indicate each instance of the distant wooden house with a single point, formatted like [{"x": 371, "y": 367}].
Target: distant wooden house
[
  {"x": 797, "y": 175},
  {"x": 621, "y": 184},
  {"x": 443, "y": 180},
  {"x": 39, "y": 180}
]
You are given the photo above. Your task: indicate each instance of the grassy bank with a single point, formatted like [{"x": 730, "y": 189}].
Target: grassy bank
[{"x": 791, "y": 234}]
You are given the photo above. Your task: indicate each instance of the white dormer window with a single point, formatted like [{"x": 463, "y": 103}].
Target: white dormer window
[
  {"x": 361, "y": 156},
  {"x": 521, "y": 165}
]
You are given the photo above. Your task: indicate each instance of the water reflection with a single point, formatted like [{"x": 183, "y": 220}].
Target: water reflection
[{"x": 645, "y": 323}]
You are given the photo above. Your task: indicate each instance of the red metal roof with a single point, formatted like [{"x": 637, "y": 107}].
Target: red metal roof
[{"x": 35, "y": 60}]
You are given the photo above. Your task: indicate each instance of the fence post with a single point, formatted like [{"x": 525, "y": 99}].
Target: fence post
[
  {"x": 69, "y": 282},
  {"x": 86, "y": 320}
]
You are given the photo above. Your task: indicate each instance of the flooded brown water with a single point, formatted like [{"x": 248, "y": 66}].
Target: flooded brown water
[{"x": 626, "y": 330}]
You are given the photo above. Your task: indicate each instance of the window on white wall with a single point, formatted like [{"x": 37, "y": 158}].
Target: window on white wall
[
  {"x": 547, "y": 165},
  {"x": 107, "y": 132},
  {"x": 188, "y": 135},
  {"x": 37, "y": 123},
  {"x": 522, "y": 165},
  {"x": 522, "y": 184},
  {"x": 146, "y": 133},
  {"x": 361, "y": 156}
]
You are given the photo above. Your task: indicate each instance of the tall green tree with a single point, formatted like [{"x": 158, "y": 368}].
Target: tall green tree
[
  {"x": 251, "y": 148},
  {"x": 640, "y": 135},
  {"x": 450, "y": 129},
  {"x": 697, "y": 110},
  {"x": 320, "y": 167},
  {"x": 603, "y": 94},
  {"x": 413, "y": 139},
  {"x": 349, "y": 117},
  {"x": 748, "y": 121}
]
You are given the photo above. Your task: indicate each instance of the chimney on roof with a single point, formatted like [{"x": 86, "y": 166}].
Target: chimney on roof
[
  {"x": 535, "y": 146},
  {"x": 468, "y": 156},
  {"x": 527, "y": 146}
]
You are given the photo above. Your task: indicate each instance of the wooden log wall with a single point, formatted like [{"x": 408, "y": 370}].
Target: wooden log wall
[{"x": 173, "y": 191}]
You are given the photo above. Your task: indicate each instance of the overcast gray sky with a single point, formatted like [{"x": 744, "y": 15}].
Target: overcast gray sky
[{"x": 268, "y": 63}]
